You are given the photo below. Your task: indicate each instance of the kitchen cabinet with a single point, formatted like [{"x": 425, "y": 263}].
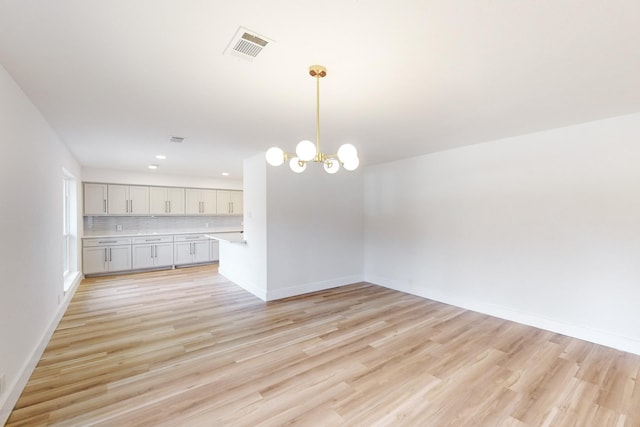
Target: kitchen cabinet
[
  {"x": 191, "y": 249},
  {"x": 166, "y": 201},
  {"x": 201, "y": 201},
  {"x": 151, "y": 252},
  {"x": 229, "y": 202},
  {"x": 106, "y": 255},
  {"x": 128, "y": 199},
  {"x": 95, "y": 199},
  {"x": 214, "y": 250}
]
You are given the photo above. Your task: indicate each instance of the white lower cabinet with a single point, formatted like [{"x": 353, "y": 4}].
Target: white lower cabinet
[
  {"x": 151, "y": 252},
  {"x": 191, "y": 249},
  {"x": 106, "y": 255},
  {"x": 214, "y": 250},
  {"x": 146, "y": 252}
]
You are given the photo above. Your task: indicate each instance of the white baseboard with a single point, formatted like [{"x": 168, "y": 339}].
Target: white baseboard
[
  {"x": 596, "y": 336},
  {"x": 13, "y": 392},
  {"x": 247, "y": 286},
  {"x": 312, "y": 287}
]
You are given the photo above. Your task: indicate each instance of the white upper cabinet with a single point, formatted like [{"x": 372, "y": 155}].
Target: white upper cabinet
[
  {"x": 95, "y": 199},
  {"x": 124, "y": 199},
  {"x": 166, "y": 201},
  {"x": 229, "y": 202},
  {"x": 201, "y": 201},
  {"x": 128, "y": 199}
]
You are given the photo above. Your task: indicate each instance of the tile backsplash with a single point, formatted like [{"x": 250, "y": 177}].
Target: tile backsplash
[{"x": 149, "y": 224}]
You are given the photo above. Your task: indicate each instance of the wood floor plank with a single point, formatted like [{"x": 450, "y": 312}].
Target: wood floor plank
[{"x": 186, "y": 347}]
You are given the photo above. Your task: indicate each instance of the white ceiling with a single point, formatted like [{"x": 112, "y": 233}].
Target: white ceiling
[{"x": 117, "y": 78}]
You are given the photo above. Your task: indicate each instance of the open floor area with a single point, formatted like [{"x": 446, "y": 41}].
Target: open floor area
[{"x": 187, "y": 347}]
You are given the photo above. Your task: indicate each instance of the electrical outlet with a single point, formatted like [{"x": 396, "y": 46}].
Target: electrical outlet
[
  {"x": 1, "y": 384},
  {"x": 119, "y": 227}
]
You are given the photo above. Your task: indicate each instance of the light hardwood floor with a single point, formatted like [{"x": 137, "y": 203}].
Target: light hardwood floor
[{"x": 189, "y": 348}]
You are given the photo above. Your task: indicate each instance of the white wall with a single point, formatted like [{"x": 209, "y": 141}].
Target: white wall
[
  {"x": 314, "y": 229},
  {"x": 543, "y": 229},
  {"x": 115, "y": 176},
  {"x": 31, "y": 229},
  {"x": 303, "y": 231}
]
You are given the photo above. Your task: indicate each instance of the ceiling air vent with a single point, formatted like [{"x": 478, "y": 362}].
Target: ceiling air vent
[
  {"x": 177, "y": 139},
  {"x": 246, "y": 44}
]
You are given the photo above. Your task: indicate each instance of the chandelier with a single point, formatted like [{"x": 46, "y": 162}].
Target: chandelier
[{"x": 307, "y": 151}]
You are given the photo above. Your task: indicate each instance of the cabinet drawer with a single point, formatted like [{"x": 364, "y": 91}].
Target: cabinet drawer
[
  {"x": 88, "y": 243},
  {"x": 189, "y": 238},
  {"x": 152, "y": 239}
]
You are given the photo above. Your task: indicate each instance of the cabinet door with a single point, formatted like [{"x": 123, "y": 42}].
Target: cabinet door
[
  {"x": 214, "y": 250},
  {"x": 237, "y": 205},
  {"x": 95, "y": 199},
  {"x": 175, "y": 197},
  {"x": 201, "y": 251},
  {"x": 139, "y": 200},
  {"x": 193, "y": 205},
  {"x": 119, "y": 258},
  {"x": 158, "y": 203},
  {"x": 163, "y": 253},
  {"x": 94, "y": 260},
  {"x": 142, "y": 256},
  {"x": 209, "y": 201},
  {"x": 118, "y": 199},
  {"x": 183, "y": 253},
  {"x": 223, "y": 202}
]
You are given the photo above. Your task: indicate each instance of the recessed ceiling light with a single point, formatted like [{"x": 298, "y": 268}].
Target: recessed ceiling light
[
  {"x": 161, "y": 156},
  {"x": 225, "y": 173},
  {"x": 153, "y": 166}
]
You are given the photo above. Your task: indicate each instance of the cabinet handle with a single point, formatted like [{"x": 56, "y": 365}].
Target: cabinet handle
[
  {"x": 107, "y": 241},
  {"x": 152, "y": 251},
  {"x": 153, "y": 240},
  {"x": 104, "y": 205},
  {"x": 131, "y": 206},
  {"x": 109, "y": 254},
  {"x": 169, "y": 206},
  {"x": 105, "y": 255}
]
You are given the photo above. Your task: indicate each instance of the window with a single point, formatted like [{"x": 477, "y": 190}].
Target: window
[{"x": 69, "y": 227}]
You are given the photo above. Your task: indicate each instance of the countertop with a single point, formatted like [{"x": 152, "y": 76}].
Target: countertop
[
  {"x": 130, "y": 233},
  {"x": 227, "y": 237}
]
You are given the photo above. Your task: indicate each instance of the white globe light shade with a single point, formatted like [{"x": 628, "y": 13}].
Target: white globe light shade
[
  {"x": 351, "y": 164},
  {"x": 347, "y": 152},
  {"x": 331, "y": 166},
  {"x": 306, "y": 150},
  {"x": 295, "y": 165},
  {"x": 274, "y": 156}
]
